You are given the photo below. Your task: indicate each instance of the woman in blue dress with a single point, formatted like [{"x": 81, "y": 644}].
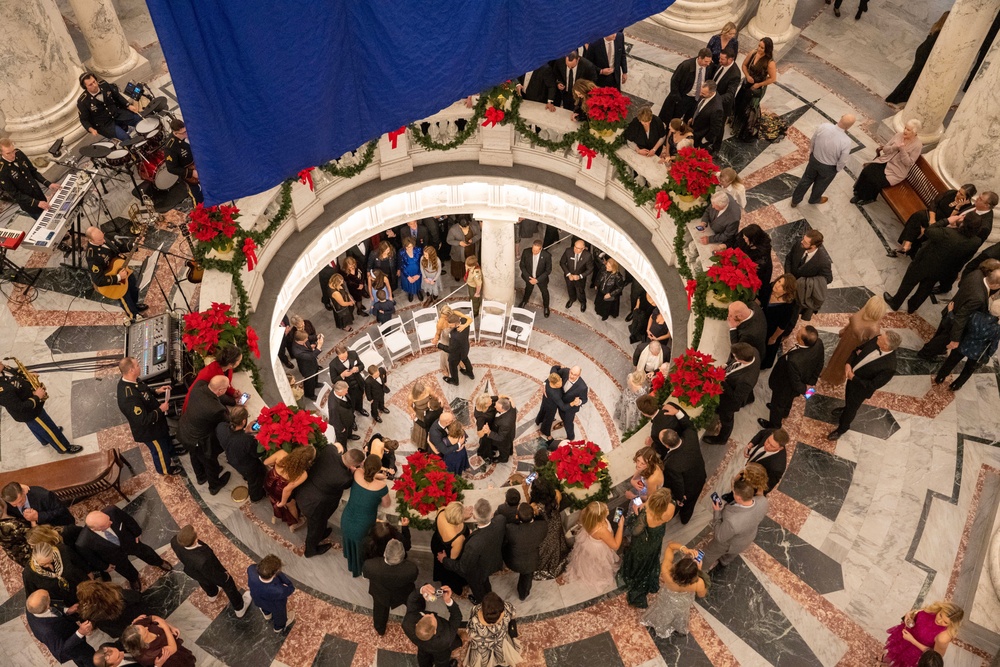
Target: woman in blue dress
[
  {"x": 456, "y": 457},
  {"x": 368, "y": 492},
  {"x": 409, "y": 269}
]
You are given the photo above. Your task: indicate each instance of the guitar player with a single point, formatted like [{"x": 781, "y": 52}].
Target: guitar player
[
  {"x": 101, "y": 254},
  {"x": 180, "y": 160}
]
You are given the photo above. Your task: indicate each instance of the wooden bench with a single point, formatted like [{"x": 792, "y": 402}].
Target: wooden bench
[
  {"x": 74, "y": 478},
  {"x": 917, "y": 192}
]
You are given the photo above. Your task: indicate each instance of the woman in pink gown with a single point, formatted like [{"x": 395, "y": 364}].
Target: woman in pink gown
[
  {"x": 594, "y": 559},
  {"x": 933, "y": 627}
]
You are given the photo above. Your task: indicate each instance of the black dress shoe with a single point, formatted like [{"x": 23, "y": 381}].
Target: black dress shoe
[
  {"x": 764, "y": 423},
  {"x": 328, "y": 306},
  {"x": 888, "y": 299},
  {"x": 583, "y": 306},
  {"x": 955, "y": 386},
  {"x": 835, "y": 434},
  {"x": 854, "y": 200},
  {"x": 165, "y": 566},
  {"x": 628, "y": 318},
  {"x": 836, "y": 12},
  {"x": 288, "y": 364},
  {"x": 545, "y": 312},
  {"x": 377, "y": 419},
  {"x": 522, "y": 304},
  {"x": 384, "y": 411},
  {"x": 450, "y": 381},
  {"x": 200, "y": 482},
  {"x": 940, "y": 290},
  {"x": 74, "y": 449},
  {"x": 836, "y": 411},
  {"x": 470, "y": 375},
  {"x": 938, "y": 380},
  {"x": 570, "y": 302},
  {"x": 141, "y": 308},
  {"x": 175, "y": 470},
  {"x": 713, "y": 440},
  {"x": 857, "y": 17},
  {"x": 135, "y": 585},
  {"x": 180, "y": 450},
  {"x": 320, "y": 550},
  {"x": 364, "y": 413},
  {"x": 353, "y": 437}
]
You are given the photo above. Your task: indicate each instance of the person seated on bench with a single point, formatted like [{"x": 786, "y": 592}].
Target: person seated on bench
[
  {"x": 891, "y": 164},
  {"x": 948, "y": 203}
]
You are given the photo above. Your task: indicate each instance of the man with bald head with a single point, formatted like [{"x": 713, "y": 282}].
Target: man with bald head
[
  {"x": 65, "y": 638},
  {"x": 111, "y": 536},
  {"x": 747, "y": 325},
  {"x": 828, "y": 153},
  {"x": 203, "y": 413},
  {"x": 574, "y": 395}
]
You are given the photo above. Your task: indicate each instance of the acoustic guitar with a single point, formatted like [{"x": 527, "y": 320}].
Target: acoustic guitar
[{"x": 116, "y": 291}]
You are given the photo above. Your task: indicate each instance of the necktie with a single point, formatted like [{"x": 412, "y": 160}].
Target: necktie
[
  {"x": 576, "y": 259},
  {"x": 110, "y": 536},
  {"x": 701, "y": 105},
  {"x": 569, "y": 81},
  {"x": 698, "y": 80},
  {"x": 611, "y": 52},
  {"x": 718, "y": 75}
]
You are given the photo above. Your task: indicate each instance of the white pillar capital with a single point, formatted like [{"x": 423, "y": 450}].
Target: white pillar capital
[
  {"x": 111, "y": 57},
  {"x": 700, "y": 18},
  {"x": 497, "y": 256}
]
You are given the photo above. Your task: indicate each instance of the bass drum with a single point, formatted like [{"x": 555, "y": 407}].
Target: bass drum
[{"x": 163, "y": 179}]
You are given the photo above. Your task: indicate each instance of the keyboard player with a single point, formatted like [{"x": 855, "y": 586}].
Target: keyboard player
[
  {"x": 21, "y": 182},
  {"x": 101, "y": 253}
]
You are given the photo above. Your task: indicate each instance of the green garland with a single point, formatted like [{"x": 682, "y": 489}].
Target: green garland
[
  {"x": 548, "y": 472},
  {"x": 350, "y": 172}
]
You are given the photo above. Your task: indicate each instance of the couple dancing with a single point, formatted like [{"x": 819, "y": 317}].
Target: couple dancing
[{"x": 565, "y": 393}]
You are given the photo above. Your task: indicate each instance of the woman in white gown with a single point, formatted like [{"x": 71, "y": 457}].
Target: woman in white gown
[
  {"x": 680, "y": 582},
  {"x": 594, "y": 558}
]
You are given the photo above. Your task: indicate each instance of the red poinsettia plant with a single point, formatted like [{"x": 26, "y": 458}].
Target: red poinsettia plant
[
  {"x": 208, "y": 330},
  {"x": 693, "y": 172},
  {"x": 579, "y": 463},
  {"x": 288, "y": 427},
  {"x": 733, "y": 275},
  {"x": 214, "y": 225},
  {"x": 695, "y": 378},
  {"x": 425, "y": 486},
  {"x": 607, "y": 109}
]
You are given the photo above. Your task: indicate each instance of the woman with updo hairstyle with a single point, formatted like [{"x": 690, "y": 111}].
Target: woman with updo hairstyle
[
  {"x": 648, "y": 475},
  {"x": 680, "y": 583},
  {"x": 640, "y": 568},
  {"x": 594, "y": 558},
  {"x": 369, "y": 491},
  {"x": 55, "y": 569},
  {"x": 450, "y": 534},
  {"x": 679, "y": 135},
  {"x": 151, "y": 637},
  {"x": 108, "y": 606},
  {"x": 490, "y": 643}
]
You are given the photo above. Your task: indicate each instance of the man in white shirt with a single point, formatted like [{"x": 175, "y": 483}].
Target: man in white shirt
[
  {"x": 828, "y": 155},
  {"x": 869, "y": 368}
]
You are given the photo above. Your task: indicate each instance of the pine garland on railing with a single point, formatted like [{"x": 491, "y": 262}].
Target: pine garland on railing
[{"x": 349, "y": 172}]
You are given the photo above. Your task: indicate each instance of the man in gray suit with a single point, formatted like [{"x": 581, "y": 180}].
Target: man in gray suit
[
  {"x": 723, "y": 219},
  {"x": 735, "y": 526}
]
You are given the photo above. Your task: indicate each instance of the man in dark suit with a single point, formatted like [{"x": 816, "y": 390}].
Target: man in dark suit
[
  {"x": 112, "y": 654},
  {"x": 722, "y": 219},
  {"x": 346, "y": 366},
  {"x": 795, "y": 371},
  {"x": 737, "y": 390},
  {"x": 973, "y": 295},
  {"x": 201, "y": 564},
  {"x": 482, "y": 554},
  {"x": 390, "y": 582},
  {"x": 992, "y": 252},
  {"x": 240, "y": 447},
  {"x": 683, "y": 468},
  {"x": 685, "y": 87},
  {"x": 459, "y": 346},
  {"x": 727, "y": 78},
  {"x": 608, "y": 56},
  {"x": 327, "y": 272},
  {"x": 111, "y": 536},
  {"x": 747, "y": 325},
  {"x": 500, "y": 436},
  {"x": 767, "y": 448},
  {"x": 539, "y": 86},
  {"x": 417, "y": 230},
  {"x": 306, "y": 355},
  {"x": 667, "y": 417},
  {"x": 709, "y": 120},
  {"x": 577, "y": 264},
  {"x": 199, "y": 420},
  {"x": 341, "y": 414},
  {"x": 869, "y": 367},
  {"x": 810, "y": 263},
  {"x": 520, "y": 547},
  {"x": 437, "y": 434},
  {"x": 318, "y": 497},
  {"x": 574, "y": 395},
  {"x": 536, "y": 265},
  {"x": 36, "y": 505},
  {"x": 567, "y": 72},
  {"x": 65, "y": 638},
  {"x": 434, "y": 637}
]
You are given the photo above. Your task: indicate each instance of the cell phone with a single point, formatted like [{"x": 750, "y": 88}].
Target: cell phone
[
  {"x": 243, "y": 399},
  {"x": 809, "y": 392},
  {"x": 716, "y": 498},
  {"x": 700, "y": 557},
  {"x": 700, "y": 228},
  {"x": 618, "y": 514},
  {"x": 255, "y": 427},
  {"x": 637, "y": 502},
  {"x": 531, "y": 478}
]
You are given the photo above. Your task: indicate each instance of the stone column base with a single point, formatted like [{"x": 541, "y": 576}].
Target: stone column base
[
  {"x": 782, "y": 43},
  {"x": 135, "y": 68},
  {"x": 36, "y": 133},
  {"x": 700, "y": 19}
]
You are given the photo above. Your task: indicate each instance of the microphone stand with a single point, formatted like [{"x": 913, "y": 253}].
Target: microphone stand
[{"x": 173, "y": 274}]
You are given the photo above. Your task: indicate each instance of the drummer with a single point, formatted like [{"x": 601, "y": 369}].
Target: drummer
[
  {"x": 105, "y": 111},
  {"x": 19, "y": 180},
  {"x": 180, "y": 160}
]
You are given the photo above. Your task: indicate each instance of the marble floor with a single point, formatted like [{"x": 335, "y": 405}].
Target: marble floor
[{"x": 897, "y": 513}]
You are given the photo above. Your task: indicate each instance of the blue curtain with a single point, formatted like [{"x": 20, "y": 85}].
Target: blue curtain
[{"x": 270, "y": 87}]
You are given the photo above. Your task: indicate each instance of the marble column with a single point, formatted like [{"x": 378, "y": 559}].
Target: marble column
[
  {"x": 967, "y": 152},
  {"x": 497, "y": 257},
  {"x": 39, "y": 68},
  {"x": 701, "y": 18},
  {"x": 774, "y": 19},
  {"x": 111, "y": 56},
  {"x": 947, "y": 67}
]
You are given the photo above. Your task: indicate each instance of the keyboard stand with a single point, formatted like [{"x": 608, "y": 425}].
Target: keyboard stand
[{"x": 13, "y": 272}]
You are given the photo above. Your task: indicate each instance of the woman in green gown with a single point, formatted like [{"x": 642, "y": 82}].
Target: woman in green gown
[
  {"x": 640, "y": 569},
  {"x": 368, "y": 492}
]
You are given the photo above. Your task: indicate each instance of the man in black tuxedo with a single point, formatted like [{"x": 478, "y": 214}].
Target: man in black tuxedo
[
  {"x": 434, "y": 637},
  {"x": 683, "y": 468},
  {"x": 812, "y": 267},
  {"x": 685, "y": 87},
  {"x": 341, "y": 414},
  {"x": 306, "y": 355},
  {"x": 794, "y": 372},
  {"x": 390, "y": 582},
  {"x": 199, "y": 420},
  {"x": 327, "y": 272},
  {"x": 709, "y": 120},
  {"x": 319, "y": 496},
  {"x": 201, "y": 564},
  {"x": 539, "y": 86},
  {"x": 536, "y": 265},
  {"x": 36, "y": 505},
  {"x": 500, "y": 436},
  {"x": 437, "y": 434},
  {"x": 459, "y": 346},
  {"x": 520, "y": 547},
  {"x": 65, "y": 638},
  {"x": 767, "y": 448},
  {"x": 727, "y": 78},
  {"x": 574, "y": 395},
  {"x": 869, "y": 367},
  {"x": 608, "y": 56},
  {"x": 747, "y": 325},
  {"x": 667, "y": 417},
  {"x": 111, "y": 536},
  {"x": 568, "y": 71},
  {"x": 482, "y": 554},
  {"x": 240, "y": 447},
  {"x": 346, "y": 366},
  {"x": 973, "y": 295},
  {"x": 577, "y": 264},
  {"x": 737, "y": 390}
]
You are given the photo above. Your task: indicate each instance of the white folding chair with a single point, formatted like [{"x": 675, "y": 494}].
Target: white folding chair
[
  {"x": 365, "y": 347},
  {"x": 492, "y": 318},
  {"x": 424, "y": 323},
  {"x": 397, "y": 343},
  {"x": 519, "y": 327},
  {"x": 465, "y": 307}
]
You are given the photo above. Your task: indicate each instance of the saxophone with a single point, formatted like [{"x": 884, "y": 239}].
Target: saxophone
[{"x": 32, "y": 378}]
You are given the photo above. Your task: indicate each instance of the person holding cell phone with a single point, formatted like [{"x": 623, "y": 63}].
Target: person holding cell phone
[
  {"x": 648, "y": 475},
  {"x": 680, "y": 582},
  {"x": 434, "y": 636},
  {"x": 594, "y": 558},
  {"x": 227, "y": 359},
  {"x": 640, "y": 565},
  {"x": 735, "y": 526}
]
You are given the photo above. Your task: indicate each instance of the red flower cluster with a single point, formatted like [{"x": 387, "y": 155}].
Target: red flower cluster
[
  {"x": 578, "y": 463},
  {"x": 694, "y": 171},
  {"x": 694, "y": 377},
  {"x": 734, "y": 275},
  {"x": 213, "y": 224},
  {"x": 203, "y": 331},
  {"x": 425, "y": 485},
  {"x": 282, "y": 425},
  {"x": 252, "y": 342},
  {"x": 607, "y": 108}
]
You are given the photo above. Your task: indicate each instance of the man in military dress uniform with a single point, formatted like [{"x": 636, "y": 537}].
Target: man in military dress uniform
[
  {"x": 25, "y": 405},
  {"x": 146, "y": 415},
  {"x": 180, "y": 159},
  {"x": 105, "y": 111},
  {"x": 19, "y": 180},
  {"x": 101, "y": 252}
]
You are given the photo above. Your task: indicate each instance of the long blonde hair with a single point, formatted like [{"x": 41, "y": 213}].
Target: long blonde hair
[
  {"x": 952, "y": 612},
  {"x": 592, "y": 515},
  {"x": 874, "y": 310}
]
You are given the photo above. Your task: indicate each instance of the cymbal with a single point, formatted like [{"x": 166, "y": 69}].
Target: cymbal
[
  {"x": 95, "y": 151},
  {"x": 156, "y": 106},
  {"x": 131, "y": 141}
]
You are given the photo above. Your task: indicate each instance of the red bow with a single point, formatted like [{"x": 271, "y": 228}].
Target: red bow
[
  {"x": 690, "y": 288},
  {"x": 250, "y": 250},
  {"x": 586, "y": 152},
  {"x": 306, "y": 177},
  {"x": 662, "y": 202},
  {"x": 493, "y": 117},
  {"x": 394, "y": 136}
]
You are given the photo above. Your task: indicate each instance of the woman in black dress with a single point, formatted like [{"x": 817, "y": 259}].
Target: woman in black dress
[
  {"x": 902, "y": 92},
  {"x": 759, "y": 71},
  {"x": 554, "y": 549},
  {"x": 781, "y": 313},
  {"x": 657, "y": 329},
  {"x": 679, "y": 135},
  {"x": 384, "y": 259},
  {"x": 450, "y": 534},
  {"x": 646, "y": 133},
  {"x": 642, "y": 305},
  {"x": 755, "y": 242},
  {"x": 607, "y": 300},
  {"x": 355, "y": 280},
  {"x": 14, "y": 536},
  {"x": 343, "y": 304}
]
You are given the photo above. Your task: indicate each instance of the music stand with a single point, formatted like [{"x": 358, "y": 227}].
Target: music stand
[{"x": 18, "y": 274}]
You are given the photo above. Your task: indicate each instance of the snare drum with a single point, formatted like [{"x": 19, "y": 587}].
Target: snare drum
[
  {"x": 118, "y": 158},
  {"x": 153, "y": 131}
]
